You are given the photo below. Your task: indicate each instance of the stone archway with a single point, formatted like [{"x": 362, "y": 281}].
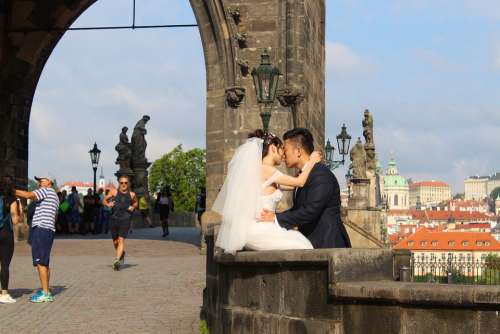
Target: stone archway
[{"x": 232, "y": 33}]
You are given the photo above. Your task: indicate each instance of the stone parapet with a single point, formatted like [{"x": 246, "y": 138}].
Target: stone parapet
[{"x": 336, "y": 291}]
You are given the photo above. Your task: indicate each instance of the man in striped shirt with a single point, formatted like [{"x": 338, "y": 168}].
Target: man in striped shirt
[{"x": 42, "y": 232}]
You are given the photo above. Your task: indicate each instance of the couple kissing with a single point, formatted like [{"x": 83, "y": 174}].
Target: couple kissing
[{"x": 254, "y": 187}]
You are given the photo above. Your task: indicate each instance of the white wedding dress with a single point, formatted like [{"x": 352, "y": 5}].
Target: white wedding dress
[
  {"x": 271, "y": 236},
  {"x": 240, "y": 202}
]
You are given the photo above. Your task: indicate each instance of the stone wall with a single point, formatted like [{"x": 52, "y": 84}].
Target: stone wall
[{"x": 337, "y": 291}]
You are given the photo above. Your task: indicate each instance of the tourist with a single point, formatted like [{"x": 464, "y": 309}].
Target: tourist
[
  {"x": 42, "y": 232},
  {"x": 123, "y": 202},
  {"x": 89, "y": 212},
  {"x": 105, "y": 214},
  {"x": 10, "y": 214},
  {"x": 74, "y": 212},
  {"x": 201, "y": 203},
  {"x": 165, "y": 204},
  {"x": 62, "y": 215},
  {"x": 144, "y": 209},
  {"x": 98, "y": 210}
]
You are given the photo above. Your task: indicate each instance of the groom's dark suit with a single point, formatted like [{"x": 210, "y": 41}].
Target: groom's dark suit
[{"x": 316, "y": 211}]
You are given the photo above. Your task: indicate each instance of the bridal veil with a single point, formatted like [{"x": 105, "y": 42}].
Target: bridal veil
[{"x": 239, "y": 199}]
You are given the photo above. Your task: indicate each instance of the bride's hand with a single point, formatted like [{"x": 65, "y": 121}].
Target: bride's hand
[{"x": 316, "y": 157}]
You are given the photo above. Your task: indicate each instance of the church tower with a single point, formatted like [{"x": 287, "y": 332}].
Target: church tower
[
  {"x": 396, "y": 189},
  {"x": 102, "y": 180}
]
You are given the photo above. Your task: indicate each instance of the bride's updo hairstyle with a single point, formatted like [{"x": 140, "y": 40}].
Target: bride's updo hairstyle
[{"x": 268, "y": 138}]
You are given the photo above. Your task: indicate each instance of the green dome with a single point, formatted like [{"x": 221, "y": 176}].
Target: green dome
[
  {"x": 392, "y": 177},
  {"x": 395, "y": 181}
]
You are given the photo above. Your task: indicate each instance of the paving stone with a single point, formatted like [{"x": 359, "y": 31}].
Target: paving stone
[{"x": 158, "y": 291}]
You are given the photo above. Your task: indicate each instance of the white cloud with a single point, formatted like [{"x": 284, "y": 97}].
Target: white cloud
[
  {"x": 342, "y": 60},
  {"x": 434, "y": 59}
]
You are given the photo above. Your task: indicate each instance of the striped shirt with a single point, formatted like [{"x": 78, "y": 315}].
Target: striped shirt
[{"x": 45, "y": 208}]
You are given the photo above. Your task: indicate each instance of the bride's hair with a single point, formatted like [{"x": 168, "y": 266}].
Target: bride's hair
[{"x": 268, "y": 138}]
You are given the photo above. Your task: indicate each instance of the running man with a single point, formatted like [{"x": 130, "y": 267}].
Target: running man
[{"x": 122, "y": 202}]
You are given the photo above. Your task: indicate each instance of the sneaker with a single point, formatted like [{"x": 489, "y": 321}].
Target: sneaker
[
  {"x": 116, "y": 265},
  {"x": 6, "y": 299},
  {"x": 42, "y": 298}
]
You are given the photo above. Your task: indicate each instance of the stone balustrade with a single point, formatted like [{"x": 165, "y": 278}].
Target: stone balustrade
[{"x": 337, "y": 291}]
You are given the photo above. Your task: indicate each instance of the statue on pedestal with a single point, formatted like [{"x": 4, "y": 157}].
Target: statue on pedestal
[
  {"x": 124, "y": 151},
  {"x": 368, "y": 128},
  {"x": 358, "y": 159},
  {"x": 138, "y": 142}
]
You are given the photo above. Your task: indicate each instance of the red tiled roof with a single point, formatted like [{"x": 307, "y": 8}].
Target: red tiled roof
[
  {"x": 429, "y": 215},
  {"x": 472, "y": 226},
  {"x": 429, "y": 184},
  {"x": 79, "y": 184},
  {"x": 425, "y": 239}
]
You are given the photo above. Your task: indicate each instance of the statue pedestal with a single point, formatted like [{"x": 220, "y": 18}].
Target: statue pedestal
[
  {"x": 140, "y": 178},
  {"x": 360, "y": 194}
]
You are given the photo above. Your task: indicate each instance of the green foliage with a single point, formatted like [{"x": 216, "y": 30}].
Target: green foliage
[
  {"x": 459, "y": 196},
  {"x": 204, "y": 327},
  {"x": 182, "y": 171},
  {"x": 32, "y": 185},
  {"x": 494, "y": 194}
]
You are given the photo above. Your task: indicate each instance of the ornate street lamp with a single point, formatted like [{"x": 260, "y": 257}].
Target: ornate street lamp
[
  {"x": 343, "y": 144},
  {"x": 95, "y": 153},
  {"x": 265, "y": 79}
]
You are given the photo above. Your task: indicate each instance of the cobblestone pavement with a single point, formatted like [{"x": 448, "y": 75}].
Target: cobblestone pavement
[{"x": 158, "y": 291}]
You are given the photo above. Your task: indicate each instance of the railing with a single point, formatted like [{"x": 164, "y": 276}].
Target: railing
[{"x": 455, "y": 269}]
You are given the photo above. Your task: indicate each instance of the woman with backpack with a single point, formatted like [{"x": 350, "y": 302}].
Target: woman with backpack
[
  {"x": 165, "y": 204},
  {"x": 10, "y": 214}
]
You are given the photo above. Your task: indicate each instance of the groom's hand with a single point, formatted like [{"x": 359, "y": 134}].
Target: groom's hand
[{"x": 267, "y": 216}]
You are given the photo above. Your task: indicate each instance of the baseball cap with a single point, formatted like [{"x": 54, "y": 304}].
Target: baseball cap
[{"x": 46, "y": 176}]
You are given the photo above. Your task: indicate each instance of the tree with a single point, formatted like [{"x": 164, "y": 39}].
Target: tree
[
  {"x": 32, "y": 185},
  {"x": 494, "y": 194},
  {"x": 183, "y": 172}
]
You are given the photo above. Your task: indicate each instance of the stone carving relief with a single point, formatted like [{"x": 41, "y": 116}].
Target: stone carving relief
[{"x": 234, "y": 96}]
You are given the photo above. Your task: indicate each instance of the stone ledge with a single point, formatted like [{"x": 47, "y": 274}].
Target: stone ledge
[
  {"x": 418, "y": 293},
  {"x": 343, "y": 264}
]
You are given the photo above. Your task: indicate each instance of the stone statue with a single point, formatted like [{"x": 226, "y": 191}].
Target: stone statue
[
  {"x": 358, "y": 159},
  {"x": 124, "y": 150},
  {"x": 368, "y": 128},
  {"x": 138, "y": 142}
]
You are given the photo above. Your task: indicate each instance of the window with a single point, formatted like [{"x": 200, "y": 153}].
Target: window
[
  {"x": 451, "y": 243},
  {"x": 486, "y": 243},
  {"x": 396, "y": 200},
  {"x": 479, "y": 243},
  {"x": 434, "y": 242},
  {"x": 410, "y": 243},
  {"x": 423, "y": 243},
  {"x": 465, "y": 243}
]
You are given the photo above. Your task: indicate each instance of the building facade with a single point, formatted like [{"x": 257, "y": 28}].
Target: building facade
[
  {"x": 476, "y": 187},
  {"x": 481, "y": 187},
  {"x": 429, "y": 193},
  {"x": 396, "y": 191}
]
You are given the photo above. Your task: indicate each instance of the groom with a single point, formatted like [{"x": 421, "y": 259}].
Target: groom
[{"x": 316, "y": 206}]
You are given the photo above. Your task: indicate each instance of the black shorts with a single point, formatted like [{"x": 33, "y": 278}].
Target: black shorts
[{"x": 119, "y": 228}]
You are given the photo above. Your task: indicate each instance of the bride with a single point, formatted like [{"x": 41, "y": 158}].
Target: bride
[{"x": 254, "y": 183}]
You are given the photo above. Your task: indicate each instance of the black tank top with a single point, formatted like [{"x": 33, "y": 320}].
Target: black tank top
[{"x": 120, "y": 209}]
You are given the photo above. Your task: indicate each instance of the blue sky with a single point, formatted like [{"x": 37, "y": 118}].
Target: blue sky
[{"x": 428, "y": 70}]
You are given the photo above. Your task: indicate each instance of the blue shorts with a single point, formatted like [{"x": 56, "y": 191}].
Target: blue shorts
[{"x": 41, "y": 245}]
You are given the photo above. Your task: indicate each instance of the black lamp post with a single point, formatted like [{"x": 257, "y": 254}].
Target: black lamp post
[
  {"x": 265, "y": 79},
  {"x": 343, "y": 144},
  {"x": 348, "y": 178},
  {"x": 95, "y": 153}
]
